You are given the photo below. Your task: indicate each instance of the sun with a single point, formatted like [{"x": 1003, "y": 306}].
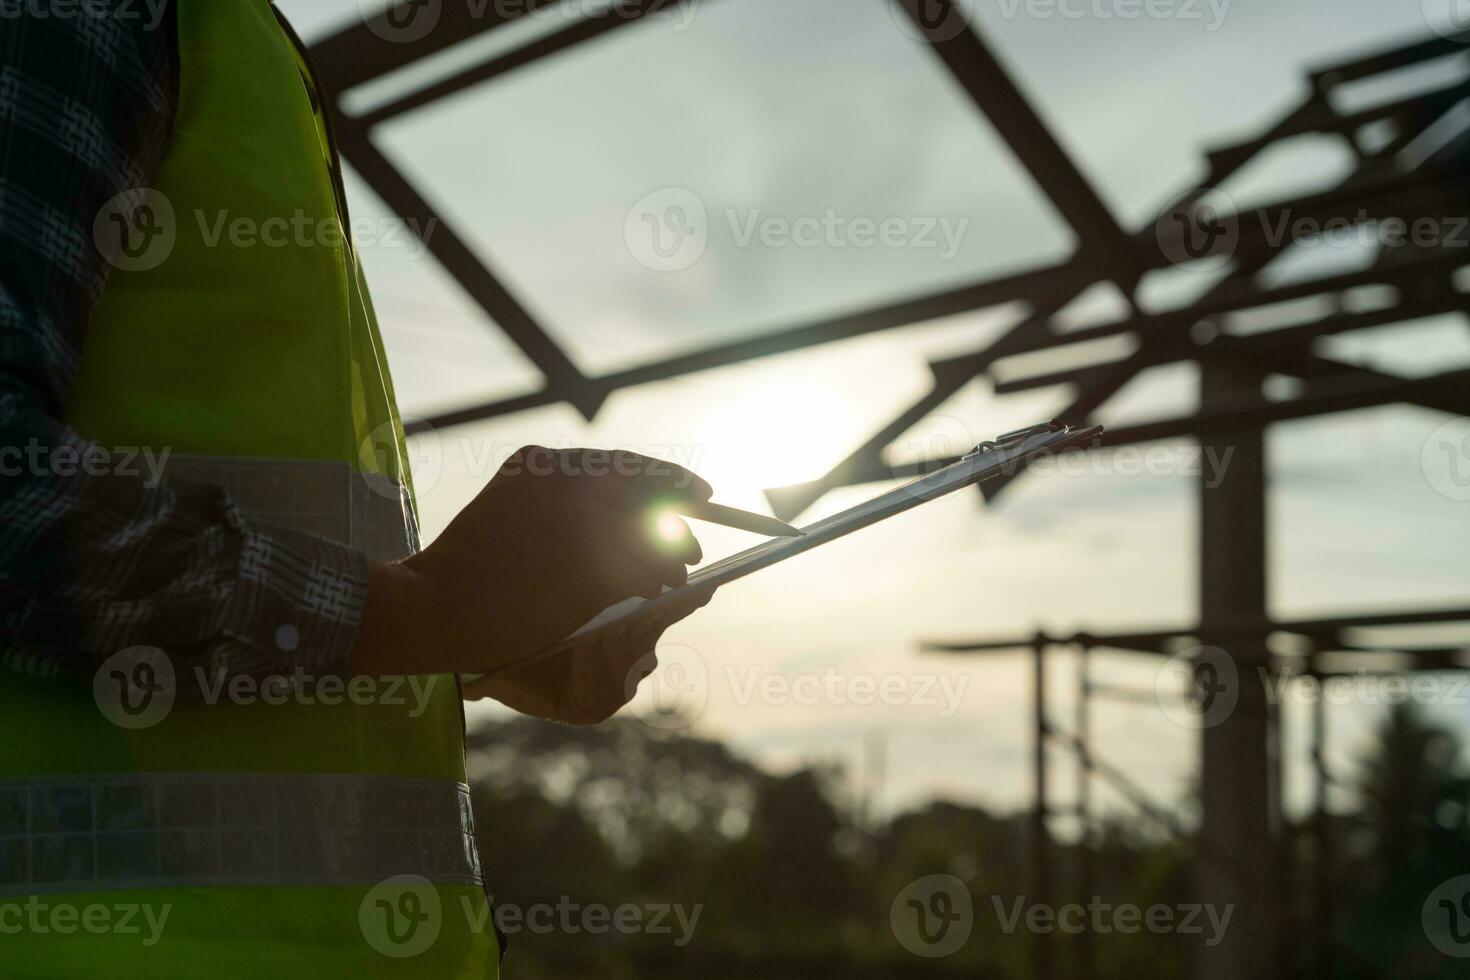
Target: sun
[{"x": 776, "y": 434}]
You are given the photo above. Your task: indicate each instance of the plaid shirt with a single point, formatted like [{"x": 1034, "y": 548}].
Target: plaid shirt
[{"x": 93, "y": 564}]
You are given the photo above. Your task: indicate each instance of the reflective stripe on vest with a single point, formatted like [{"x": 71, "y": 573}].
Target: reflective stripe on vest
[
  {"x": 368, "y": 511},
  {"x": 113, "y": 832},
  {"x": 259, "y": 369}
]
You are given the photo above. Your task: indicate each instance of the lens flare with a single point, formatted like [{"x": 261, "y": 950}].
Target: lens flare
[{"x": 670, "y": 527}]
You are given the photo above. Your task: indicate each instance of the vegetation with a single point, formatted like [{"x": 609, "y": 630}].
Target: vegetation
[{"x": 789, "y": 883}]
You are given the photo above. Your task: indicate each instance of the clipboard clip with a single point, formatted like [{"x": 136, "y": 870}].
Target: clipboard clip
[{"x": 1011, "y": 440}]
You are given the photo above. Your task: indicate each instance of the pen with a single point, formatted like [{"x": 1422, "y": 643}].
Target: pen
[{"x": 741, "y": 520}]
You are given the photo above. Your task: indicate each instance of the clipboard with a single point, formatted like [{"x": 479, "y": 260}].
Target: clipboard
[{"x": 1005, "y": 454}]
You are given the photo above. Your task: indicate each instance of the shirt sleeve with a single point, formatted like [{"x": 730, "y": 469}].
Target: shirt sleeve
[{"x": 95, "y": 558}]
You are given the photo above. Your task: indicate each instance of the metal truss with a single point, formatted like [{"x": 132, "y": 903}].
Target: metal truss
[
  {"x": 1105, "y": 253},
  {"x": 1412, "y": 160}
]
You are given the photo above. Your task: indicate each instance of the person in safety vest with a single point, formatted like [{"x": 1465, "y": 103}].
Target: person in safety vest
[{"x": 233, "y": 742}]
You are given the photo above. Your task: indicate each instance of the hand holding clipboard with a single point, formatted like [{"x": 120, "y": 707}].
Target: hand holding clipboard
[{"x": 1005, "y": 454}]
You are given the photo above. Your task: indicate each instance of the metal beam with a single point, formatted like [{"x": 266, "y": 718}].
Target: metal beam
[
  {"x": 452, "y": 252},
  {"x": 1360, "y": 195},
  {"x": 1386, "y": 61},
  {"x": 1326, "y": 396},
  {"x": 379, "y": 45},
  {"x": 588, "y": 28},
  {"x": 1325, "y": 632},
  {"x": 1034, "y": 285},
  {"x": 988, "y": 84}
]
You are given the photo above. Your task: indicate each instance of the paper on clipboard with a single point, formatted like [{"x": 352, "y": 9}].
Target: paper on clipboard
[{"x": 989, "y": 459}]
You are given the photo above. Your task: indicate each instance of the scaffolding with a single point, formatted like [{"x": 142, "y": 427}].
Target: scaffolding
[{"x": 1411, "y": 157}]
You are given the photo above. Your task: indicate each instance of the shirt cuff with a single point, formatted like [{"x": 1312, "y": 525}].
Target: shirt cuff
[{"x": 297, "y": 604}]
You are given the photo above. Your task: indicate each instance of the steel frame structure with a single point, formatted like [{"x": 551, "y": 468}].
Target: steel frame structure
[{"x": 1413, "y": 168}]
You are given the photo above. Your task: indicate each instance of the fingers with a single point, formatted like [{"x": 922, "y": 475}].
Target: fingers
[
  {"x": 627, "y": 564},
  {"x": 607, "y": 674},
  {"x": 670, "y": 534},
  {"x": 614, "y": 664}
]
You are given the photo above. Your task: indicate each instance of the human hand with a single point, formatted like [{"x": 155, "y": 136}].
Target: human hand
[{"x": 556, "y": 537}]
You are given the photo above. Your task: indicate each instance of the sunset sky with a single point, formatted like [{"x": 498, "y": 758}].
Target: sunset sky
[{"x": 796, "y": 108}]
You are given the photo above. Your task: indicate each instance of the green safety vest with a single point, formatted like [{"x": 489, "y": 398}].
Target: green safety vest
[{"x": 308, "y": 832}]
